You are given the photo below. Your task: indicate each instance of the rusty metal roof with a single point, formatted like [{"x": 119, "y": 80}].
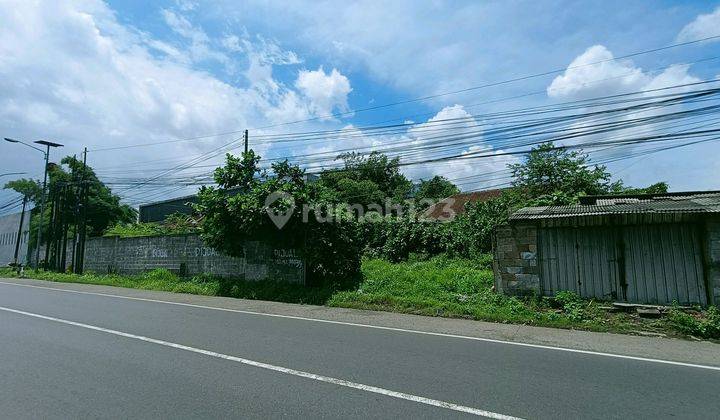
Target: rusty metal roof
[
  {"x": 657, "y": 204},
  {"x": 447, "y": 208}
]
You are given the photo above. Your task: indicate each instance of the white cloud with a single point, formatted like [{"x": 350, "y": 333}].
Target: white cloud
[
  {"x": 199, "y": 47},
  {"x": 186, "y": 5},
  {"x": 704, "y": 26},
  {"x": 611, "y": 77},
  {"x": 583, "y": 79},
  {"x": 470, "y": 174},
  {"x": 70, "y": 72},
  {"x": 325, "y": 91}
]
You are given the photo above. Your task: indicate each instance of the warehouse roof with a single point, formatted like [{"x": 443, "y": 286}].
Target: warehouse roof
[{"x": 687, "y": 202}]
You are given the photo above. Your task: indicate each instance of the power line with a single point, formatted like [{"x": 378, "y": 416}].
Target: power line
[{"x": 422, "y": 98}]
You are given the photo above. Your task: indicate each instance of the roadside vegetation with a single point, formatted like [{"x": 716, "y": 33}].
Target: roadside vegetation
[
  {"x": 439, "y": 286},
  {"x": 388, "y": 260}
]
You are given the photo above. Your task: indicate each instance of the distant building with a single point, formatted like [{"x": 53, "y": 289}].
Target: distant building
[
  {"x": 447, "y": 208},
  {"x": 8, "y": 234},
  {"x": 160, "y": 210},
  {"x": 647, "y": 249}
]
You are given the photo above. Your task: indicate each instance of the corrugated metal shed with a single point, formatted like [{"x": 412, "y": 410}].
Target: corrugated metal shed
[{"x": 702, "y": 202}]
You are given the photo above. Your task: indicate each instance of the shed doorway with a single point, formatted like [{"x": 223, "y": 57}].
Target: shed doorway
[{"x": 655, "y": 264}]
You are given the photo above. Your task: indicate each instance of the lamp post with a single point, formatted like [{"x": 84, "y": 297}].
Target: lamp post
[
  {"x": 46, "y": 153},
  {"x": 12, "y": 173}
]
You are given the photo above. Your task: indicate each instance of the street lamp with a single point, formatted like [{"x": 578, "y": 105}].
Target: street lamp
[
  {"x": 46, "y": 153},
  {"x": 12, "y": 173}
]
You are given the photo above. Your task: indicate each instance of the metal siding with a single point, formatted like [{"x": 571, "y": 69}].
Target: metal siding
[
  {"x": 580, "y": 260},
  {"x": 662, "y": 263}
]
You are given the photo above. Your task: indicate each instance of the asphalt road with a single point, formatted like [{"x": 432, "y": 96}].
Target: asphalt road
[{"x": 77, "y": 355}]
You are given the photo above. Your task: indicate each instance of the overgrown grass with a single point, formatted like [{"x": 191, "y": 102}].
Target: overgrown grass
[
  {"x": 152, "y": 280},
  {"x": 164, "y": 280},
  {"x": 436, "y": 287},
  {"x": 452, "y": 288}
]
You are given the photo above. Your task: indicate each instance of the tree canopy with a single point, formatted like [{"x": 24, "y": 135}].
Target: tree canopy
[
  {"x": 553, "y": 175},
  {"x": 435, "y": 189},
  {"x": 30, "y": 189},
  {"x": 239, "y": 210},
  {"x": 66, "y": 183},
  {"x": 367, "y": 179}
]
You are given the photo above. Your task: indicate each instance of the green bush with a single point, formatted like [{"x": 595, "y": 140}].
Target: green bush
[
  {"x": 231, "y": 219},
  {"x": 695, "y": 325},
  {"x": 572, "y": 304},
  {"x": 175, "y": 224},
  {"x": 396, "y": 238}
]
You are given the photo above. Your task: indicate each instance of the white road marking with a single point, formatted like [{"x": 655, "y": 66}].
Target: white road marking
[
  {"x": 289, "y": 371},
  {"x": 379, "y": 327}
]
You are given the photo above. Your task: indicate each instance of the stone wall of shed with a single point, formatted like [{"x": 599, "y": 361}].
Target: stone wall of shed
[
  {"x": 713, "y": 257},
  {"x": 515, "y": 259}
]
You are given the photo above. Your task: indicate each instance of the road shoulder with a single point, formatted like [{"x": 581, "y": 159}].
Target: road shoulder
[{"x": 676, "y": 350}]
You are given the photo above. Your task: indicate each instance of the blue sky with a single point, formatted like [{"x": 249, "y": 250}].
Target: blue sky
[{"x": 96, "y": 74}]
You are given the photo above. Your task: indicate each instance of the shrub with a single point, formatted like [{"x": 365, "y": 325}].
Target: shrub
[
  {"x": 394, "y": 238},
  {"x": 175, "y": 224},
  {"x": 572, "y": 304},
  {"x": 236, "y": 212},
  {"x": 695, "y": 325}
]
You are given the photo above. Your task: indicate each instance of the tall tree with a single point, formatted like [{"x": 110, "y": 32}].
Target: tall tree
[
  {"x": 72, "y": 185},
  {"x": 299, "y": 211},
  {"x": 367, "y": 179},
  {"x": 552, "y": 175},
  {"x": 435, "y": 189},
  {"x": 30, "y": 189}
]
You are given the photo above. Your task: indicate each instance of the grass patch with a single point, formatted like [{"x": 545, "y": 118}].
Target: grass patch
[
  {"x": 164, "y": 280},
  {"x": 436, "y": 287}
]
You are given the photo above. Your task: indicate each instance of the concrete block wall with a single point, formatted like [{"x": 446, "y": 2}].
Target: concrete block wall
[
  {"x": 713, "y": 257},
  {"x": 188, "y": 255},
  {"x": 515, "y": 259}
]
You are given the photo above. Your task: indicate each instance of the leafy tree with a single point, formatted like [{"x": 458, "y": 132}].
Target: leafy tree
[
  {"x": 103, "y": 207},
  {"x": 555, "y": 176},
  {"x": 66, "y": 183},
  {"x": 30, "y": 189},
  {"x": 367, "y": 179},
  {"x": 230, "y": 220},
  {"x": 657, "y": 188},
  {"x": 435, "y": 189}
]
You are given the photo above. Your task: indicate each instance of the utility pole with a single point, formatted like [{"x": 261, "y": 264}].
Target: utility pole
[
  {"x": 46, "y": 152},
  {"x": 50, "y": 240},
  {"x": 63, "y": 229},
  {"x": 83, "y": 214},
  {"x": 42, "y": 210},
  {"x": 19, "y": 235},
  {"x": 247, "y": 140},
  {"x": 75, "y": 216}
]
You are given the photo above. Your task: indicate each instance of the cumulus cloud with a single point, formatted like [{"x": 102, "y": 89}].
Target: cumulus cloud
[
  {"x": 704, "y": 26},
  {"x": 469, "y": 174},
  {"x": 594, "y": 73},
  {"x": 585, "y": 79},
  {"x": 582, "y": 81},
  {"x": 325, "y": 91},
  {"x": 70, "y": 72}
]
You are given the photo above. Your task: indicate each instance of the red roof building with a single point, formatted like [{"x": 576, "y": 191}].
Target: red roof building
[{"x": 446, "y": 209}]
